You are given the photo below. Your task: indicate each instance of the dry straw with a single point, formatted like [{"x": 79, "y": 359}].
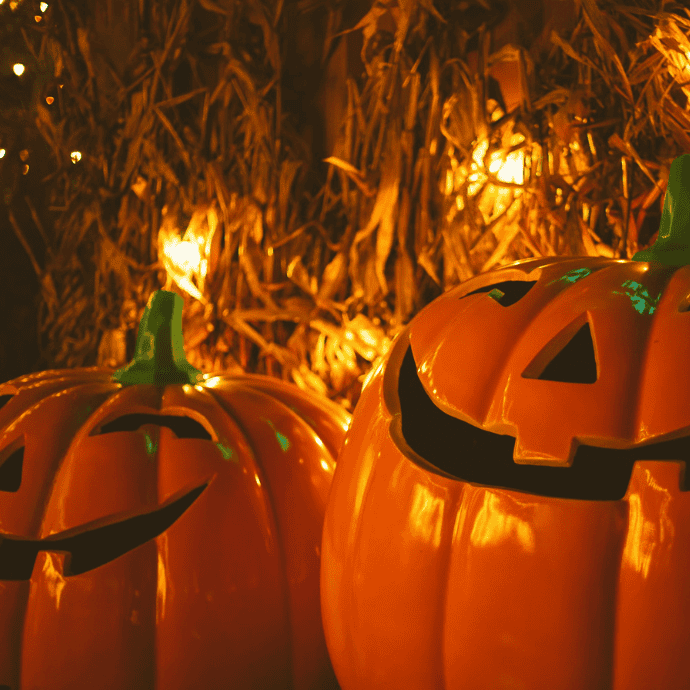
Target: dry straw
[{"x": 434, "y": 178}]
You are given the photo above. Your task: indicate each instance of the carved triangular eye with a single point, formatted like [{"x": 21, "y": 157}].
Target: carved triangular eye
[
  {"x": 508, "y": 292},
  {"x": 476, "y": 455},
  {"x": 4, "y": 399},
  {"x": 11, "y": 470},
  {"x": 575, "y": 361}
]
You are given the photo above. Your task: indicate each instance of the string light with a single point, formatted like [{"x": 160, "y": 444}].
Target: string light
[
  {"x": 25, "y": 170},
  {"x": 75, "y": 156},
  {"x": 2, "y": 151},
  {"x": 186, "y": 259},
  {"x": 18, "y": 69},
  {"x": 43, "y": 6},
  {"x": 49, "y": 100}
]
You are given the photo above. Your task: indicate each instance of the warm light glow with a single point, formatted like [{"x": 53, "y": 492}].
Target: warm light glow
[
  {"x": 186, "y": 259},
  {"x": 53, "y": 576},
  {"x": 43, "y": 6},
  {"x": 18, "y": 68},
  {"x": 511, "y": 170},
  {"x": 37, "y": 18},
  {"x": 25, "y": 169},
  {"x": 505, "y": 166},
  {"x": 2, "y": 153},
  {"x": 185, "y": 255},
  {"x": 162, "y": 578},
  {"x": 449, "y": 182},
  {"x": 500, "y": 521},
  {"x": 650, "y": 530},
  {"x": 75, "y": 156},
  {"x": 477, "y": 164},
  {"x": 49, "y": 100},
  {"x": 425, "y": 517}
]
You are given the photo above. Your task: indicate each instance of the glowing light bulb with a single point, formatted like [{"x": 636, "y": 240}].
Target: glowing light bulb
[
  {"x": 75, "y": 156},
  {"x": 18, "y": 69},
  {"x": 2, "y": 151},
  {"x": 43, "y": 6},
  {"x": 49, "y": 100}
]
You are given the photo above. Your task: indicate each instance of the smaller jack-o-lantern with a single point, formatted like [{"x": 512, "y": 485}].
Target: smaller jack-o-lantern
[
  {"x": 510, "y": 508},
  {"x": 160, "y": 528}
]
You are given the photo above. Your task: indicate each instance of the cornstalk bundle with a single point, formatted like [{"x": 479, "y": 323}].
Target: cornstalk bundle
[{"x": 182, "y": 149}]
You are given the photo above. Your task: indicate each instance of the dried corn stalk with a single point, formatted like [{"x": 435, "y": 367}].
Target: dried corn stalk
[{"x": 439, "y": 170}]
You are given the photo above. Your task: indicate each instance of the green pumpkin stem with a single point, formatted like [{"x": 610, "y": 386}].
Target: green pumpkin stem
[
  {"x": 672, "y": 246},
  {"x": 159, "y": 357}
]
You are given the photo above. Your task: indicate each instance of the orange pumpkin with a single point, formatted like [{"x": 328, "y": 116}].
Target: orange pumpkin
[
  {"x": 510, "y": 508},
  {"x": 160, "y": 528}
]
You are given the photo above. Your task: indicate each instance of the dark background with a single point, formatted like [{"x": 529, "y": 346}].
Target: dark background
[{"x": 19, "y": 293}]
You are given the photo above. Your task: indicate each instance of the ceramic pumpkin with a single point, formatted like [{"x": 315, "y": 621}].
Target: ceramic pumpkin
[
  {"x": 510, "y": 508},
  {"x": 160, "y": 528}
]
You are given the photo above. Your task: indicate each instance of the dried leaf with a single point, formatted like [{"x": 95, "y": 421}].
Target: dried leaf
[
  {"x": 334, "y": 275},
  {"x": 384, "y": 243},
  {"x": 307, "y": 380},
  {"x": 405, "y": 8},
  {"x": 404, "y": 287},
  {"x": 355, "y": 175},
  {"x": 247, "y": 263},
  {"x": 386, "y": 197},
  {"x": 287, "y": 176},
  {"x": 299, "y": 275},
  {"x": 257, "y": 16},
  {"x": 368, "y": 339},
  {"x": 213, "y": 7},
  {"x": 428, "y": 5},
  {"x": 85, "y": 49},
  {"x": 427, "y": 263},
  {"x": 175, "y": 136},
  {"x": 171, "y": 102}
]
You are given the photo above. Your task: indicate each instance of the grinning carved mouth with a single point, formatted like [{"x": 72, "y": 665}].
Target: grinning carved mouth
[
  {"x": 475, "y": 455},
  {"x": 98, "y": 546},
  {"x": 95, "y": 547}
]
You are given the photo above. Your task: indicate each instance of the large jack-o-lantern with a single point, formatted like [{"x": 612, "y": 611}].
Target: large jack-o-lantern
[
  {"x": 160, "y": 528},
  {"x": 510, "y": 508}
]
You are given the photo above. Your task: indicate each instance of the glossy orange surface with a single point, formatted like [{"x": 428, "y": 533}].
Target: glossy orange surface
[
  {"x": 213, "y": 582},
  {"x": 497, "y": 522}
]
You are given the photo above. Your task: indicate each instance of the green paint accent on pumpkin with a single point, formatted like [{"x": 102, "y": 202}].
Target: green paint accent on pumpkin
[
  {"x": 672, "y": 246},
  {"x": 159, "y": 356}
]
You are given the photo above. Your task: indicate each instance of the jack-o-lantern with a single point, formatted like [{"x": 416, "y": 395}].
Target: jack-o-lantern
[
  {"x": 510, "y": 508},
  {"x": 160, "y": 528}
]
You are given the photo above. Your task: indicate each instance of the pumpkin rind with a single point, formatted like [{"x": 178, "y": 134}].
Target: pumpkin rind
[
  {"x": 432, "y": 581},
  {"x": 226, "y": 595}
]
